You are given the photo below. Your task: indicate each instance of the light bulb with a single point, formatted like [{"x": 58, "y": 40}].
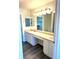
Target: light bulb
[
  {"x": 44, "y": 12},
  {"x": 48, "y": 11}
]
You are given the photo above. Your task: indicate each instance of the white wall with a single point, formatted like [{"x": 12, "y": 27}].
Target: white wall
[{"x": 10, "y": 32}]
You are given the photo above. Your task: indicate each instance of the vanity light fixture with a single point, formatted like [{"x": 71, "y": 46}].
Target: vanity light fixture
[
  {"x": 48, "y": 10},
  {"x": 43, "y": 12},
  {"x": 54, "y": 11}
]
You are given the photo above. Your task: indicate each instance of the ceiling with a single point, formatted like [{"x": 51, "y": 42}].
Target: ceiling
[{"x": 32, "y": 4}]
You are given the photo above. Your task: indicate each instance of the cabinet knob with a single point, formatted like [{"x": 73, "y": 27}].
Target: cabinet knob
[{"x": 53, "y": 41}]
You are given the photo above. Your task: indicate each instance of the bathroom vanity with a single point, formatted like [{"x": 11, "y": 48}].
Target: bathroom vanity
[{"x": 47, "y": 38}]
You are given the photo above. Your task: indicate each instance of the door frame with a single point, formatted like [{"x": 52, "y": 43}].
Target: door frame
[{"x": 56, "y": 31}]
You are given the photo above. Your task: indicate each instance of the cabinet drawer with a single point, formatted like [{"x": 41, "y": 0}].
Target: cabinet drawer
[
  {"x": 50, "y": 53},
  {"x": 30, "y": 39},
  {"x": 45, "y": 47},
  {"x": 48, "y": 48},
  {"x": 33, "y": 41}
]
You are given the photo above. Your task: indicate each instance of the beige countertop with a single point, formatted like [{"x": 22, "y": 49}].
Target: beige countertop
[{"x": 42, "y": 35}]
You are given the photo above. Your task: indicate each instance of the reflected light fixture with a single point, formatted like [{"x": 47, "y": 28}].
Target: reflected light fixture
[{"x": 44, "y": 12}]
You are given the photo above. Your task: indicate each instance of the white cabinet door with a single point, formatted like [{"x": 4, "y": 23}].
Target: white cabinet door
[
  {"x": 45, "y": 47},
  {"x": 50, "y": 45},
  {"x": 48, "y": 48},
  {"x": 33, "y": 41},
  {"x": 30, "y": 39},
  {"x": 27, "y": 36}
]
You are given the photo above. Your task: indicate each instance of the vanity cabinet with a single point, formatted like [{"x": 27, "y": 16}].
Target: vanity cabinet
[
  {"x": 48, "y": 48},
  {"x": 31, "y": 39}
]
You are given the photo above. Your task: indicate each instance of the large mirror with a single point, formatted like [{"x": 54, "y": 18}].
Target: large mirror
[
  {"x": 46, "y": 22},
  {"x": 39, "y": 23},
  {"x": 27, "y": 22}
]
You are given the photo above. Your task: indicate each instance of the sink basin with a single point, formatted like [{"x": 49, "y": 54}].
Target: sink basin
[
  {"x": 44, "y": 32},
  {"x": 48, "y": 33}
]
